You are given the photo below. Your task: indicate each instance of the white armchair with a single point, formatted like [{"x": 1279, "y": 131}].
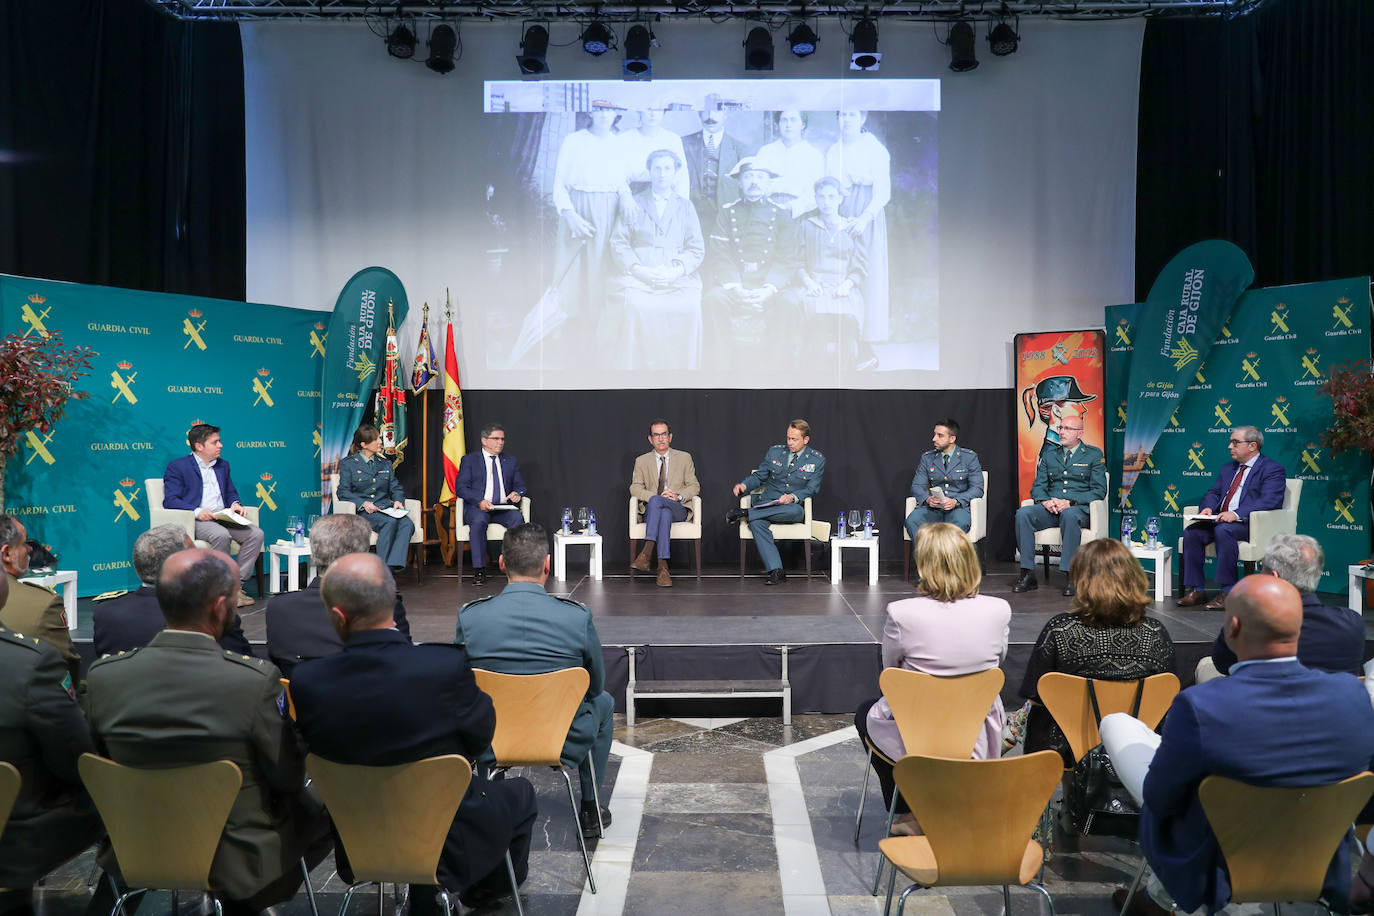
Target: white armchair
[
  {"x": 689, "y": 530},
  {"x": 417, "y": 534},
  {"x": 1264, "y": 524},
  {"x": 978, "y": 525},
  {"x": 804, "y": 530},
  {"x": 186, "y": 519},
  {"x": 1098, "y": 517},
  {"x": 462, "y": 534}
]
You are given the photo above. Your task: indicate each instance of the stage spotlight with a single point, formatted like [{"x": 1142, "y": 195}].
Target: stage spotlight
[
  {"x": 961, "y": 53},
  {"x": 597, "y": 39},
  {"x": 637, "y": 43},
  {"x": 534, "y": 49},
  {"x": 443, "y": 41},
  {"x": 864, "y": 38},
  {"x": 1003, "y": 39},
  {"x": 803, "y": 40},
  {"x": 401, "y": 42},
  {"x": 758, "y": 49}
]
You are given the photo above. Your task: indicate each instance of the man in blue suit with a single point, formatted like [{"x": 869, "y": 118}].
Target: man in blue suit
[
  {"x": 487, "y": 479},
  {"x": 200, "y": 481},
  {"x": 525, "y": 630},
  {"x": 1273, "y": 722},
  {"x": 1249, "y": 482},
  {"x": 789, "y": 474},
  {"x": 347, "y": 710}
]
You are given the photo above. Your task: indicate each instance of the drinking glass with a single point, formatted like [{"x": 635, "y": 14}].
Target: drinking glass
[
  {"x": 583, "y": 514},
  {"x": 855, "y": 520}
]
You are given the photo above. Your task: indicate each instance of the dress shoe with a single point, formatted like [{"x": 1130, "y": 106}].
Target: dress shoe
[
  {"x": 1217, "y": 603},
  {"x": 245, "y": 599},
  {"x": 664, "y": 580},
  {"x": 1026, "y": 582},
  {"x": 1141, "y": 904},
  {"x": 1193, "y": 598},
  {"x": 642, "y": 561},
  {"x": 905, "y": 825},
  {"x": 732, "y": 516},
  {"x": 588, "y": 818},
  {"x": 775, "y": 577},
  {"x": 479, "y": 577}
]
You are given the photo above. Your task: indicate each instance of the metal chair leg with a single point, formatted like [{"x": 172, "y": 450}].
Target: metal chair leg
[
  {"x": 1135, "y": 883},
  {"x": 891, "y": 883},
  {"x": 887, "y": 831},
  {"x": 309, "y": 891},
  {"x": 348, "y": 896},
  {"x": 1049, "y": 901},
  {"x": 514, "y": 884},
  {"x": 448, "y": 905},
  {"x": 1006, "y": 900},
  {"x": 577, "y": 828},
  {"x": 863, "y": 797},
  {"x": 901, "y": 901},
  {"x": 596, "y": 799}
]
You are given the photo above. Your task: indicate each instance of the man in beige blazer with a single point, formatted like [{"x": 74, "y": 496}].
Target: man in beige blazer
[{"x": 664, "y": 481}]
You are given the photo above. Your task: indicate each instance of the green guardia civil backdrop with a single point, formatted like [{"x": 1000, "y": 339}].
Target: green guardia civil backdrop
[
  {"x": 165, "y": 362},
  {"x": 1274, "y": 350}
]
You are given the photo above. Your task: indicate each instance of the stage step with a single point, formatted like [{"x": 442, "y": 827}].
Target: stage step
[{"x": 702, "y": 689}]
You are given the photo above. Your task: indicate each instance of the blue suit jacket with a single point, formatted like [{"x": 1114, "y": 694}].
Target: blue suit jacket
[
  {"x": 1268, "y": 724},
  {"x": 1332, "y": 639},
  {"x": 1263, "y": 488},
  {"x": 182, "y": 488},
  {"x": 471, "y": 485}
]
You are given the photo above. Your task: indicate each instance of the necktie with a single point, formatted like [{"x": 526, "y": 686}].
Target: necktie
[
  {"x": 946, "y": 461},
  {"x": 1235, "y": 485},
  {"x": 791, "y": 457},
  {"x": 497, "y": 495},
  {"x": 662, "y": 473},
  {"x": 710, "y": 143}
]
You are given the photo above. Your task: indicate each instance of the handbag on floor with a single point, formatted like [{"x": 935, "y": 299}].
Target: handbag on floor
[{"x": 1095, "y": 792}]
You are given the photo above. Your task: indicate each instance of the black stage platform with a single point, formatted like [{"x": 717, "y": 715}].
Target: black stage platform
[{"x": 726, "y": 627}]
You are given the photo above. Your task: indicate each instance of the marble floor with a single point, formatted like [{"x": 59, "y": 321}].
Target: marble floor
[{"x": 718, "y": 816}]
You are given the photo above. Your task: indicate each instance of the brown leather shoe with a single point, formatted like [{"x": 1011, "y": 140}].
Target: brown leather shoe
[
  {"x": 664, "y": 580},
  {"x": 1218, "y": 602},
  {"x": 1192, "y": 598},
  {"x": 641, "y": 562}
]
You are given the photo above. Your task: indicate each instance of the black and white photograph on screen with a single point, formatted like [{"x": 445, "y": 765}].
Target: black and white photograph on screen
[{"x": 718, "y": 225}]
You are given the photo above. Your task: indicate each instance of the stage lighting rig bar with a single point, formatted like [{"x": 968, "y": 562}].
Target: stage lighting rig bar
[{"x": 926, "y": 10}]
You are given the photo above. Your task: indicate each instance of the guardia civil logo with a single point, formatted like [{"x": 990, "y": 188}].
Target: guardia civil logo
[
  {"x": 315, "y": 437},
  {"x": 1221, "y": 413},
  {"x": 33, "y": 318},
  {"x": 1309, "y": 457},
  {"x": 318, "y": 336},
  {"x": 1340, "y": 310},
  {"x": 38, "y": 448},
  {"x": 1278, "y": 324},
  {"x": 1196, "y": 467},
  {"x": 262, "y": 385},
  {"x": 122, "y": 381},
  {"x": 192, "y": 326},
  {"x": 1311, "y": 369},
  {"x": 1171, "y": 500},
  {"x": 1250, "y": 371},
  {"x": 1121, "y": 335},
  {"x": 265, "y": 487},
  {"x": 1279, "y": 411},
  {"x": 124, "y": 497},
  {"x": 1343, "y": 519}
]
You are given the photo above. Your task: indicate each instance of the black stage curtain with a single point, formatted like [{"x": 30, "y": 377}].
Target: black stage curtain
[
  {"x": 576, "y": 448},
  {"x": 121, "y": 147},
  {"x": 1260, "y": 130}
]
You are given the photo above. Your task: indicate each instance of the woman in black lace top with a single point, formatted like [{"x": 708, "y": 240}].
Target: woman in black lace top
[{"x": 1105, "y": 635}]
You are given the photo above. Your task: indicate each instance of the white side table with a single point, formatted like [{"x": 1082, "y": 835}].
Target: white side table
[
  {"x": 292, "y": 555},
  {"x": 837, "y": 568},
  {"x": 1164, "y": 567},
  {"x": 66, "y": 578},
  {"x": 560, "y": 553},
  {"x": 1357, "y": 576}
]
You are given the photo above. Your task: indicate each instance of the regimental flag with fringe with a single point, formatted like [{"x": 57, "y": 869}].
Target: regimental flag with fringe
[
  {"x": 453, "y": 418},
  {"x": 389, "y": 411},
  {"x": 426, "y": 366}
]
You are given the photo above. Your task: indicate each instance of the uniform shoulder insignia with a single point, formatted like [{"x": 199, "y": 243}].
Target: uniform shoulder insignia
[
  {"x": 576, "y": 604},
  {"x": 247, "y": 661},
  {"x": 41, "y": 588},
  {"x": 18, "y": 639},
  {"x": 108, "y": 658},
  {"x": 475, "y": 601},
  {"x": 106, "y": 596}
]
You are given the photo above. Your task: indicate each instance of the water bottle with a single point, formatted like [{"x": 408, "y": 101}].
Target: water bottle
[
  {"x": 567, "y": 521},
  {"x": 299, "y": 534},
  {"x": 842, "y": 526},
  {"x": 1127, "y": 529},
  {"x": 1152, "y": 533},
  {"x": 868, "y": 523},
  {"x": 591, "y": 522}
]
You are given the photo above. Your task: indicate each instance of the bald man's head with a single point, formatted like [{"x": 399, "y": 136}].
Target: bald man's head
[
  {"x": 359, "y": 592},
  {"x": 1264, "y": 618},
  {"x": 195, "y": 587}
]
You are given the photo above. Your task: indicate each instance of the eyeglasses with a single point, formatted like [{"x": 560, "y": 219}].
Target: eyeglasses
[
  {"x": 659, "y": 435},
  {"x": 495, "y": 438},
  {"x": 1072, "y": 429},
  {"x": 1237, "y": 441}
]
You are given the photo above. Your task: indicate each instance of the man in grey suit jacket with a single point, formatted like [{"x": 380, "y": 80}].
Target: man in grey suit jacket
[
  {"x": 664, "y": 481},
  {"x": 712, "y": 155}
]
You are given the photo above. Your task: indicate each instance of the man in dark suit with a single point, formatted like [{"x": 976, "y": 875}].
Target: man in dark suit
[
  {"x": 525, "y": 630},
  {"x": 1332, "y": 637},
  {"x": 183, "y": 700},
  {"x": 347, "y": 711},
  {"x": 200, "y": 481},
  {"x": 487, "y": 479},
  {"x": 712, "y": 155},
  {"x": 1272, "y": 722},
  {"x": 1249, "y": 482},
  {"x": 43, "y": 733},
  {"x": 298, "y": 624},
  {"x": 127, "y": 620}
]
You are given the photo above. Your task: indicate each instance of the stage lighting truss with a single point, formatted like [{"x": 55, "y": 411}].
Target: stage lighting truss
[
  {"x": 758, "y": 49},
  {"x": 534, "y": 48},
  {"x": 597, "y": 38},
  {"x": 802, "y": 38},
  {"x": 864, "y": 39},
  {"x": 638, "y": 40}
]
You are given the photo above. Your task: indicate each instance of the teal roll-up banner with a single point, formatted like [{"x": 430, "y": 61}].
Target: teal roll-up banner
[
  {"x": 1264, "y": 368},
  {"x": 164, "y": 362},
  {"x": 1174, "y": 332},
  {"x": 353, "y": 362}
]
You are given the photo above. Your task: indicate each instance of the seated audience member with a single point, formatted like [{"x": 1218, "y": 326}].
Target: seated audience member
[
  {"x": 1105, "y": 635},
  {"x": 949, "y": 629},
  {"x": 127, "y": 620},
  {"x": 298, "y": 625},
  {"x": 32, "y": 610},
  {"x": 183, "y": 700},
  {"x": 347, "y": 711},
  {"x": 1332, "y": 637},
  {"x": 367, "y": 479},
  {"x": 1272, "y": 722},
  {"x": 525, "y": 630},
  {"x": 42, "y": 733}
]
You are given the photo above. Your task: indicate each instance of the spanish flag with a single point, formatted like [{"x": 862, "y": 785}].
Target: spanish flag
[{"x": 453, "y": 418}]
